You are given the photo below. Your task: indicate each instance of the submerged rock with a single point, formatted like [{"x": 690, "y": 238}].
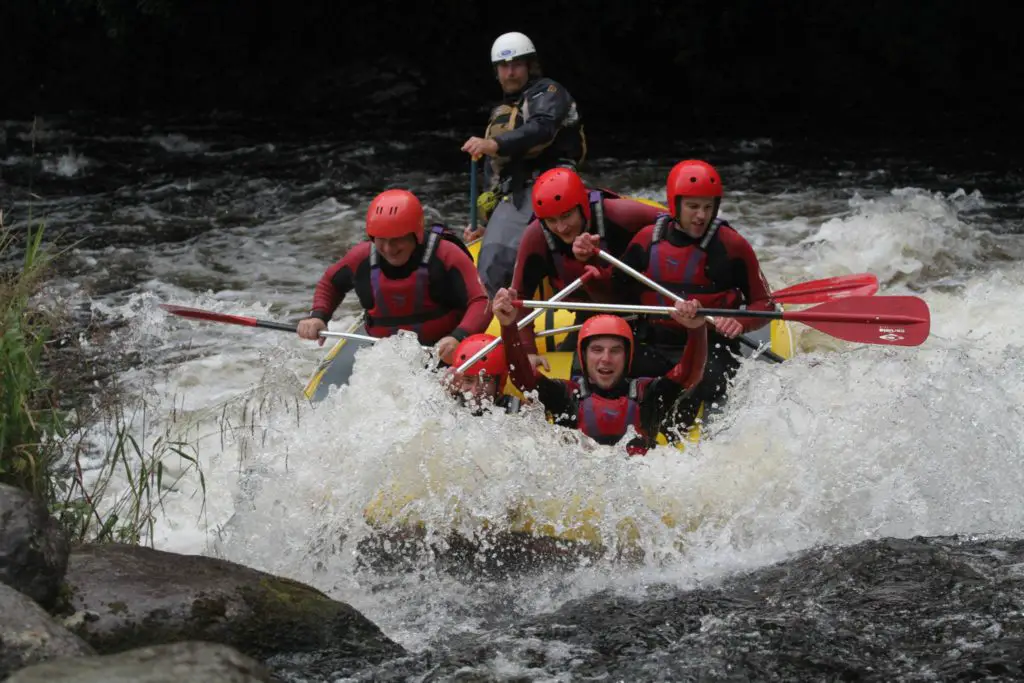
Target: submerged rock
[
  {"x": 128, "y": 596},
  {"x": 29, "y": 635},
  {"x": 33, "y": 549},
  {"x": 176, "y": 663}
]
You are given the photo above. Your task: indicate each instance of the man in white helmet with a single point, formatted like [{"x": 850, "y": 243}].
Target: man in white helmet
[{"x": 534, "y": 129}]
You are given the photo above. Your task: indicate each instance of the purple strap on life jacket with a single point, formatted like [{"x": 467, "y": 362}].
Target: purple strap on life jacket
[
  {"x": 654, "y": 263},
  {"x": 589, "y": 418},
  {"x": 655, "y": 269},
  {"x": 691, "y": 267},
  {"x": 559, "y": 261}
]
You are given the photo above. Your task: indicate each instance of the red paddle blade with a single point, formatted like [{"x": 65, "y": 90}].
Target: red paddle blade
[
  {"x": 887, "y": 320},
  {"x": 200, "y": 314},
  {"x": 828, "y": 289}
]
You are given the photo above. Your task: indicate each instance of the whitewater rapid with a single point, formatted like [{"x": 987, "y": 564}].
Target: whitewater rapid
[{"x": 843, "y": 443}]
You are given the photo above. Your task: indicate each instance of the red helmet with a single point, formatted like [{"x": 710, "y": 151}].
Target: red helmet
[
  {"x": 605, "y": 326},
  {"x": 557, "y": 191},
  {"x": 493, "y": 363},
  {"x": 692, "y": 178},
  {"x": 395, "y": 213}
]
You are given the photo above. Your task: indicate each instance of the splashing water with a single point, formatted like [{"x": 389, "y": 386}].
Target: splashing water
[
  {"x": 832, "y": 447},
  {"x": 909, "y": 236},
  {"x": 845, "y": 442}
]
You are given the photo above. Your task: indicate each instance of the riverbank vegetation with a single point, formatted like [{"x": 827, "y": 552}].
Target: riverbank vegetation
[{"x": 90, "y": 456}]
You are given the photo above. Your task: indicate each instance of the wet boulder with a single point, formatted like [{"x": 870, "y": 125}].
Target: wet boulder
[
  {"x": 33, "y": 549},
  {"x": 29, "y": 635},
  {"x": 188, "y": 661},
  {"x": 128, "y": 596}
]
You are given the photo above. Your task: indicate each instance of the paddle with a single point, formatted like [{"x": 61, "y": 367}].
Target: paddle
[
  {"x": 637, "y": 275},
  {"x": 570, "y": 328},
  {"x": 887, "y": 320},
  {"x": 590, "y": 272},
  {"x": 828, "y": 289},
  {"x": 212, "y": 316},
  {"x": 472, "y": 193},
  {"x": 810, "y": 292}
]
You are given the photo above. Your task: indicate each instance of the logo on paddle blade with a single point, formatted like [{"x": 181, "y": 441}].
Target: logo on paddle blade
[{"x": 891, "y": 333}]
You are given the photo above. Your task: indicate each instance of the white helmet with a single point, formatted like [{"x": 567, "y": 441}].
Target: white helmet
[{"x": 511, "y": 46}]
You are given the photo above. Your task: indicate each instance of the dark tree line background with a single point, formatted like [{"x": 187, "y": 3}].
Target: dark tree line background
[{"x": 749, "y": 67}]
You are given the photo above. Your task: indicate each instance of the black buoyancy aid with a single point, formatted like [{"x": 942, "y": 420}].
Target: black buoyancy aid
[
  {"x": 406, "y": 304},
  {"x": 699, "y": 269},
  {"x": 568, "y": 269},
  {"x": 606, "y": 420},
  {"x": 512, "y": 114}
]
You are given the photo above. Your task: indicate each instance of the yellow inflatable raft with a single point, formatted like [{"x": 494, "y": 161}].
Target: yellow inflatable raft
[{"x": 537, "y": 532}]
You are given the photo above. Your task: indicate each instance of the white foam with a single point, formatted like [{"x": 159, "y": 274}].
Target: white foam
[
  {"x": 66, "y": 165},
  {"x": 845, "y": 442}
]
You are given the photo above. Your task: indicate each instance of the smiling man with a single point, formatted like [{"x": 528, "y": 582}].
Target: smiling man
[
  {"x": 535, "y": 128},
  {"x": 605, "y": 401},
  {"x": 406, "y": 278}
]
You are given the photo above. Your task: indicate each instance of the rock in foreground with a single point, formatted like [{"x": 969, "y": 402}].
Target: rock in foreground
[
  {"x": 29, "y": 635},
  {"x": 33, "y": 549},
  {"x": 128, "y": 596},
  {"x": 177, "y": 663}
]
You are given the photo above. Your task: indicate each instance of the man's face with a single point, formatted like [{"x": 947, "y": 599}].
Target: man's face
[
  {"x": 396, "y": 250},
  {"x": 513, "y": 75},
  {"x": 694, "y": 214},
  {"x": 566, "y": 226},
  {"x": 476, "y": 388},
  {"x": 606, "y": 361}
]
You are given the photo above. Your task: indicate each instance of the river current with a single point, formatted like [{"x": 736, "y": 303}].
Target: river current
[{"x": 831, "y": 462}]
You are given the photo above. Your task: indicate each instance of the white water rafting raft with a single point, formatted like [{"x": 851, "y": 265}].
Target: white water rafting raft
[
  {"x": 531, "y": 532},
  {"x": 844, "y": 307}
]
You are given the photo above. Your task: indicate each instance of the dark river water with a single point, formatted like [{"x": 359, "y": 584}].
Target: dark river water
[{"x": 855, "y": 515}]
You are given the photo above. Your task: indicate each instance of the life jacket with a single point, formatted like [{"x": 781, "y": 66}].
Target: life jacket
[
  {"x": 605, "y": 420},
  {"x": 406, "y": 304},
  {"x": 698, "y": 270},
  {"x": 506, "y": 117},
  {"x": 569, "y": 269}
]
